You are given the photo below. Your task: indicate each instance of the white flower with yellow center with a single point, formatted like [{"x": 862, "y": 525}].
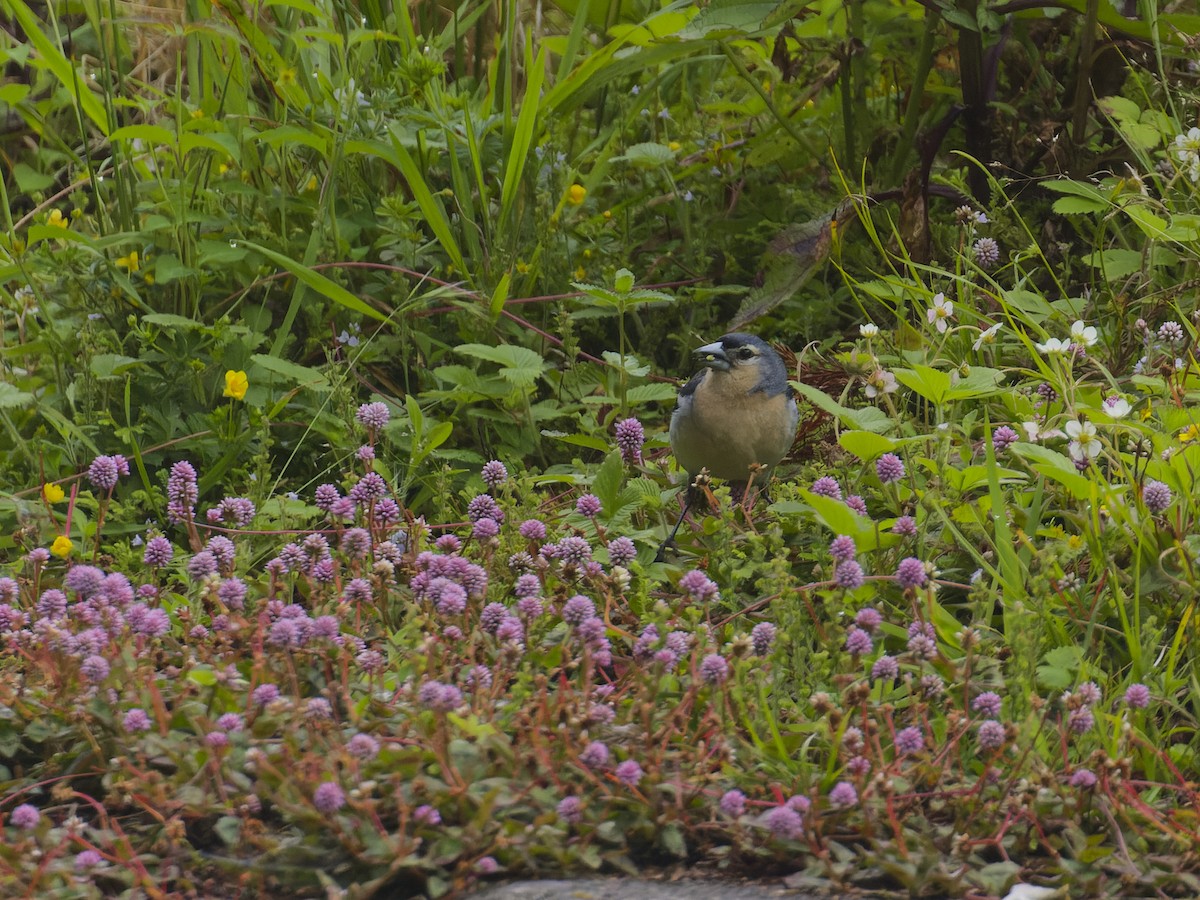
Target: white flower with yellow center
[
  {"x": 1083, "y": 334},
  {"x": 1085, "y": 444},
  {"x": 940, "y": 313}
]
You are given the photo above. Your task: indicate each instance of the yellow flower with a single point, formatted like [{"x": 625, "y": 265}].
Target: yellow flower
[
  {"x": 311, "y": 184},
  {"x": 149, "y": 278},
  {"x": 236, "y": 384},
  {"x": 522, "y": 268},
  {"x": 287, "y": 76},
  {"x": 674, "y": 146},
  {"x": 607, "y": 214},
  {"x": 57, "y": 219},
  {"x": 1189, "y": 434},
  {"x": 580, "y": 273},
  {"x": 576, "y": 193},
  {"x": 130, "y": 262},
  {"x": 52, "y": 492},
  {"x": 62, "y": 546}
]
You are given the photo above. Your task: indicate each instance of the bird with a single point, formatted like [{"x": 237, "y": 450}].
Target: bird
[{"x": 736, "y": 417}]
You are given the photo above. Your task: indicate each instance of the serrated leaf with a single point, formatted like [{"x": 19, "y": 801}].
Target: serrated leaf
[
  {"x": 11, "y": 397},
  {"x": 1074, "y": 206},
  {"x": 520, "y": 366},
  {"x": 979, "y": 382},
  {"x": 651, "y": 393},
  {"x": 647, "y": 156},
  {"x": 607, "y": 483}
]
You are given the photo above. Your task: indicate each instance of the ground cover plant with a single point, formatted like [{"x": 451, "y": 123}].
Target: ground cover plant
[{"x": 339, "y": 345}]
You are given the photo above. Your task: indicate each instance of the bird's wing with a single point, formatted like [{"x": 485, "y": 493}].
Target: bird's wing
[{"x": 694, "y": 382}]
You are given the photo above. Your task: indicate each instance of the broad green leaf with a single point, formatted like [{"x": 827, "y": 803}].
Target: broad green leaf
[
  {"x": 657, "y": 392},
  {"x": 203, "y": 676},
  {"x": 1152, "y": 226},
  {"x": 868, "y": 418},
  {"x": 647, "y": 156},
  {"x": 1116, "y": 262},
  {"x": 932, "y": 384},
  {"x": 12, "y": 397},
  {"x": 302, "y": 376},
  {"x": 866, "y": 445},
  {"x": 979, "y": 382},
  {"x": 108, "y": 365},
  {"x": 149, "y": 135},
  {"x": 1055, "y": 466},
  {"x": 518, "y": 365},
  {"x": 1120, "y": 108},
  {"x": 835, "y": 514},
  {"x": 29, "y": 180},
  {"x": 170, "y": 320}
]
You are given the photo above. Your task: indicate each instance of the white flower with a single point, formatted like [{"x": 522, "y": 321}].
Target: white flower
[
  {"x": 1084, "y": 443},
  {"x": 1187, "y": 151},
  {"x": 1033, "y": 430},
  {"x": 868, "y": 330},
  {"x": 1083, "y": 334},
  {"x": 1054, "y": 345},
  {"x": 988, "y": 336},
  {"x": 881, "y": 382},
  {"x": 941, "y": 310},
  {"x": 1117, "y": 407}
]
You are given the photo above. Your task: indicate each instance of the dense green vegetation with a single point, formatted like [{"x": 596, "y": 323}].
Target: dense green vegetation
[{"x": 339, "y": 343}]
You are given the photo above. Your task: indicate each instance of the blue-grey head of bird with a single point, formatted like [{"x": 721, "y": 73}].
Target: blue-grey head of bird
[{"x": 748, "y": 359}]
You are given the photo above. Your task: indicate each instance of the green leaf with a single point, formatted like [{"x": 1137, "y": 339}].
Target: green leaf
[
  {"x": 979, "y": 382},
  {"x": 1056, "y": 467},
  {"x": 203, "y": 676},
  {"x": 29, "y": 180},
  {"x": 657, "y": 392},
  {"x": 50, "y": 57},
  {"x": 1120, "y": 108},
  {"x": 295, "y": 373},
  {"x": 607, "y": 483},
  {"x": 1152, "y": 226},
  {"x": 522, "y": 136},
  {"x": 835, "y": 514},
  {"x": 1116, "y": 262},
  {"x": 319, "y": 282},
  {"x": 932, "y": 384},
  {"x": 671, "y": 839},
  {"x": 170, "y": 320},
  {"x": 868, "y": 418},
  {"x": 150, "y": 135},
  {"x": 108, "y": 365},
  {"x": 11, "y": 397},
  {"x": 229, "y": 830},
  {"x": 518, "y": 365},
  {"x": 866, "y": 445},
  {"x": 647, "y": 155}
]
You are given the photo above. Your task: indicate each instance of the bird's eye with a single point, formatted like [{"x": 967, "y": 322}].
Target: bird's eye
[{"x": 745, "y": 353}]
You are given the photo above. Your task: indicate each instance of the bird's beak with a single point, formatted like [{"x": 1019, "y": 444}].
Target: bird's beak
[{"x": 713, "y": 356}]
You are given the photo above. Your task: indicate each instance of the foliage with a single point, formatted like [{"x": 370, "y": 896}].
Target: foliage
[{"x": 258, "y": 635}]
